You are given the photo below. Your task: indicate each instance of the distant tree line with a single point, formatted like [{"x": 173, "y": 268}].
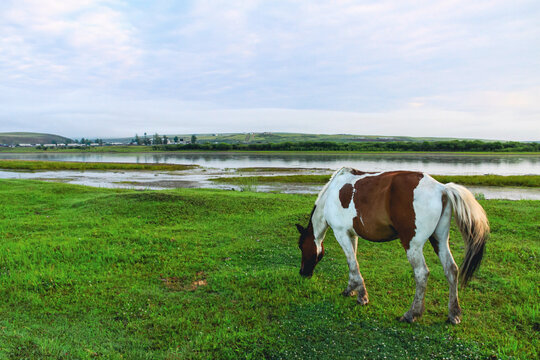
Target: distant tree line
[
  {"x": 84, "y": 141},
  {"x": 448, "y": 146}
]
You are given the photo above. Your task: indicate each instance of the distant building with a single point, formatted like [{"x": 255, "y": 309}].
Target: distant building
[{"x": 183, "y": 141}]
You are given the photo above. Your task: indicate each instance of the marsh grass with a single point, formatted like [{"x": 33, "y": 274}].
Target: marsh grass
[
  {"x": 483, "y": 180},
  {"x": 198, "y": 274},
  {"x": 67, "y": 165},
  {"x": 250, "y": 185}
]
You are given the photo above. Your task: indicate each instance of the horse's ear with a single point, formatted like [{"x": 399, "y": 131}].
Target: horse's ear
[{"x": 300, "y": 228}]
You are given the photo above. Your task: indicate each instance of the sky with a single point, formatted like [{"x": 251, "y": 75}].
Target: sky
[{"x": 113, "y": 68}]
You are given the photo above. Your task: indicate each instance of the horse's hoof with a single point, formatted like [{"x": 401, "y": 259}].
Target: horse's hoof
[
  {"x": 406, "y": 318},
  {"x": 454, "y": 320},
  {"x": 363, "y": 300}
]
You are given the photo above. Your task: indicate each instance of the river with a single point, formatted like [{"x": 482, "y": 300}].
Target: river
[
  {"x": 441, "y": 164},
  {"x": 225, "y": 164}
]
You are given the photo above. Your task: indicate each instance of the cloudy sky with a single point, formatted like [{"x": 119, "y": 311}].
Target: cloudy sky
[{"x": 104, "y": 68}]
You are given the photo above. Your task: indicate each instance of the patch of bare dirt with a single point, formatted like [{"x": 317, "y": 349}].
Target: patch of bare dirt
[{"x": 176, "y": 284}]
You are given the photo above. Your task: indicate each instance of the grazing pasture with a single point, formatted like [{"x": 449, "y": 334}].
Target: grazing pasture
[{"x": 182, "y": 274}]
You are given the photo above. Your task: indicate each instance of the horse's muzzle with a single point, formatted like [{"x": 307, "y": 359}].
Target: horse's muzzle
[{"x": 306, "y": 274}]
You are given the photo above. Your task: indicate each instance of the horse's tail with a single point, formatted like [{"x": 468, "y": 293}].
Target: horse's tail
[{"x": 474, "y": 226}]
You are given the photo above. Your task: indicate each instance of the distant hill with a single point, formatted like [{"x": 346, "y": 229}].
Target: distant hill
[
  {"x": 277, "y": 137},
  {"x": 14, "y": 138}
]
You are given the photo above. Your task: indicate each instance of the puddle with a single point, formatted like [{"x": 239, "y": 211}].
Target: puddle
[
  {"x": 509, "y": 193},
  {"x": 201, "y": 178}
]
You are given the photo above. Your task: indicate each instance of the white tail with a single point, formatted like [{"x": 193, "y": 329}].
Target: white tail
[{"x": 474, "y": 226}]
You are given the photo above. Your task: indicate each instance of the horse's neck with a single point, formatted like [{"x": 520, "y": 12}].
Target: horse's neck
[{"x": 317, "y": 219}]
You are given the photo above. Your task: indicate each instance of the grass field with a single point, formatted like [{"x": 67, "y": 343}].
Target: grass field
[
  {"x": 67, "y": 165},
  {"x": 265, "y": 137},
  {"x": 94, "y": 149},
  {"x": 483, "y": 180},
  {"x": 197, "y": 274}
]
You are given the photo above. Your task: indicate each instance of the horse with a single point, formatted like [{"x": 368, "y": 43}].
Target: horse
[{"x": 385, "y": 206}]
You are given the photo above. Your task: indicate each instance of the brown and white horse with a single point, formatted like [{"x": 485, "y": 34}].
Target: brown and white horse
[{"x": 411, "y": 206}]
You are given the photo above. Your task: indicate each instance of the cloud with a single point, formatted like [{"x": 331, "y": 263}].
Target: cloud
[
  {"x": 390, "y": 67},
  {"x": 55, "y": 41}
]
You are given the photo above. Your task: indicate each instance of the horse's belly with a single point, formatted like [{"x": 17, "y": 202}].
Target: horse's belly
[{"x": 377, "y": 232}]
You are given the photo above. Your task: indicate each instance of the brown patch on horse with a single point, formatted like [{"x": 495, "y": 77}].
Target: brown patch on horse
[
  {"x": 402, "y": 210},
  {"x": 345, "y": 195},
  {"x": 384, "y": 206}
]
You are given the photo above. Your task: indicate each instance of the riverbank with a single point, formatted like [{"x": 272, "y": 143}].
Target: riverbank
[
  {"x": 148, "y": 149},
  {"x": 478, "y": 180},
  {"x": 189, "y": 273},
  {"x": 36, "y": 165}
]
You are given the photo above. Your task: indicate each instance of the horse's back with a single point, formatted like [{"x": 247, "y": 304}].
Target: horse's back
[{"x": 380, "y": 206}]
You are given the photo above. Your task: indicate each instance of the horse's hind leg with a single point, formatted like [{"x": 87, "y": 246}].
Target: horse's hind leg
[
  {"x": 356, "y": 284},
  {"x": 415, "y": 256},
  {"x": 439, "y": 240}
]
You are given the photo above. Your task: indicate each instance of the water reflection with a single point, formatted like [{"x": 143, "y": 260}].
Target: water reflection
[{"x": 432, "y": 163}]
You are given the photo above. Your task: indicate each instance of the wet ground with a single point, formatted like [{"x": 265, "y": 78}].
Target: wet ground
[{"x": 202, "y": 178}]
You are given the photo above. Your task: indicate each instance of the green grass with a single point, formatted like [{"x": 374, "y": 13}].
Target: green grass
[
  {"x": 269, "y": 169},
  {"x": 276, "y": 137},
  {"x": 93, "y": 149},
  {"x": 66, "y": 165},
  {"x": 483, "y": 180},
  {"x": 198, "y": 274},
  {"x": 491, "y": 180}
]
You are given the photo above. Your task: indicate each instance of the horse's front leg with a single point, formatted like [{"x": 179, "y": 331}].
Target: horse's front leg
[{"x": 356, "y": 282}]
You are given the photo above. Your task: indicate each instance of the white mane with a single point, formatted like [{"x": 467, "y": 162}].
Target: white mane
[{"x": 335, "y": 174}]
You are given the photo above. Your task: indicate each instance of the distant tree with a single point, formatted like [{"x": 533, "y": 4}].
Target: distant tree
[
  {"x": 193, "y": 139},
  {"x": 156, "y": 139},
  {"x": 137, "y": 140},
  {"x": 175, "y": 139},
  {"x": 165, "y": 139}
]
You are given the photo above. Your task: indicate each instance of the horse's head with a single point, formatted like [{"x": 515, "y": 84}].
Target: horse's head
[{"x": 307, "y": 245}]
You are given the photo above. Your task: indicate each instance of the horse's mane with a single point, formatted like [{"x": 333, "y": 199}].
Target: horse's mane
[{"x": 325, "y": 187}]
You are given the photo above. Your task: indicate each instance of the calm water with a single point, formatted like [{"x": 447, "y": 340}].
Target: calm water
[
  {"x": 224, "y": 164},
  {"x": 441, "y": 164}
]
